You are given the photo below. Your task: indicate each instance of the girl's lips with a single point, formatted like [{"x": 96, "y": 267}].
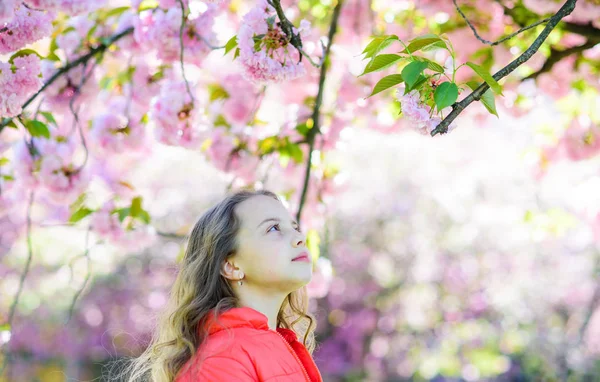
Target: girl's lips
[{"x": 303, "y": 257}]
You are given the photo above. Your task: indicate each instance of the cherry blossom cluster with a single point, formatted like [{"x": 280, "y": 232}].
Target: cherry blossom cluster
[
  {"x": 127, "y": 234},
  {"x": 25, "y": 27},
  {"x": 17, "y": 82},
  {"x": 48, "y": 166},
  {"x": 71, "y": 7},
  {"x": 176, "y": 120},
  {"x": 265, "y": 51},
  {"x": 419, "y": 113},
  {"x": 161, "y": 29}
]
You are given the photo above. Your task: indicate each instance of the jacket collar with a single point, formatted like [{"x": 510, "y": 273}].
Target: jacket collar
[{"x": 244, "y": 317}]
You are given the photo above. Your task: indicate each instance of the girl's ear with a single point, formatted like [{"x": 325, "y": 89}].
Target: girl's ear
[{"x": 230, "y": 271}]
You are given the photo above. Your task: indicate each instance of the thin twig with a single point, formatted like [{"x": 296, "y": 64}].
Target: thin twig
[
  {"x": 312, "y": 133},
  {"x": 84, "y": 79},
  {"x": 204, "y": 40},
  {"x": 502, "y": 39},
  {"x": 86, "y": 254},
  {"x": 183, "y": 19},
  {"x": 83, "y": 59},
  {"x": 15, "y": 302},
  {"x": 476, "y": 95}
]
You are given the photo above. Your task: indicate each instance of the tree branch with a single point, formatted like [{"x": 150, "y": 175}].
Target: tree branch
[
  {"x": 294, "y": 39},
  {"x": 187, "y": 84},
  {"x": 457, "y": 108},
  {"x": 312, "y": 133},
  {"x": 83, "y": 59},
  {"x": 557, "y": 55},
  {"x": 502, "y": 39},
  {"x": 520, "y": 15}
]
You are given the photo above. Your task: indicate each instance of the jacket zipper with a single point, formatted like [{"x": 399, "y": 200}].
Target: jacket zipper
[{"x": 295, "y": 355}]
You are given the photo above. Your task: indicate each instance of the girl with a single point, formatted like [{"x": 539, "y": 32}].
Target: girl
[{"x": 238, "y": 305}]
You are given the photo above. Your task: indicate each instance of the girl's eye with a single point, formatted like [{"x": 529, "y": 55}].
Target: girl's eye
[{"x": 277, "y": 225}]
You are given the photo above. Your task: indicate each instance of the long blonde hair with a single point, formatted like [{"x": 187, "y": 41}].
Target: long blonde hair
[{"x": 199, "y": 288}]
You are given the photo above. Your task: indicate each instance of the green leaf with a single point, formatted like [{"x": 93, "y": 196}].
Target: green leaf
[
  {"x": 221, "y": 121},
  {"x": 4, "y": 327},
  {"x": 268, "y": 145},
  {"x": 37, "y": 129},
  {"x": 144, "y": 216},
  {"x": 23, "y": 52},
  {"x": 49, "y": 117},
  {"x": 271, "y": 21},
  {"x": 303, "y": 129},
  {"x": 123, "y": 213},
  {"x": 379, "y": 45},
  {"x": 3, "y": 161},
  {"x": 136, "y": 206},
  {"x": 489, "y": 102},
  {"x": 386, "y": 83},
  {"x": 295, "y": 152},
  {"x": 420, "y": 81},
  {"x": 80, "y": 214},
  {"x": 381, "y": 62},
  {"x": 411, "y": 72},
  {"x": 373, "y": 44},
  {"x": 237, "y": 53},
  {"x": 12, "y": 124},
  {"x": 445, "y": 94},
  {"x": 52, "y": 57},
  {"x": 217, "y": 92},
  {"x": 232, "y": 43},
  {"x": 116, "y": 11},
  {"x": 425, "y": 42},
  {"x": 147, "y": 4},
  {"x": 432, "y": 65},
  {"x": 487, "y": 77}
]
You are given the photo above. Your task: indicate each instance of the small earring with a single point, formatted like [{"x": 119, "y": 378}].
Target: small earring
[{"x": 240, "y": 282}]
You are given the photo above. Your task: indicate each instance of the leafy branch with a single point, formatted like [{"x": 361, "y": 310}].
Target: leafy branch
[
  {"x": 476, "y": 95},
  {"x": 104, "y": 45}
]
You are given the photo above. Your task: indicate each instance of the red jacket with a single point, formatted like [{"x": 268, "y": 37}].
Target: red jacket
[{"x": 250, "y": 351}]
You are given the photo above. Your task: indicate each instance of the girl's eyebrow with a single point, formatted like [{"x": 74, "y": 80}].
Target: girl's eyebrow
[{"x": 277, "y": 220}]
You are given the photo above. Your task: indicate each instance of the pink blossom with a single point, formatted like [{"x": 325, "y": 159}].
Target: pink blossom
[
  {"x": 242, "y": 101},
  {"x": 112, "y": 133},
  {"x": 175, "y": 118},
  {"x": 26, "y": 27},
  {"x": 224, "y": 156},
  {"x": 71, "y": 7},
  {"x": 419, "y": 114},
  {"x": 25, "y": 165},
  {"x": 16, "y": 87},
  {"x": 7, "y": 10},
  {"x": 127, "y": 235},
  {"x": 581, "y": 142},
  {"x": 79, "y": 82},
  {"x": 276, "y": 60},
  {"x": 63, "y": 181},
  {"x": 161, "y": 29}
]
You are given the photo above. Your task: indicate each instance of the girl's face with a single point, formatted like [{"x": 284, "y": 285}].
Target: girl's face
[{"x": 268, "y": 240}]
